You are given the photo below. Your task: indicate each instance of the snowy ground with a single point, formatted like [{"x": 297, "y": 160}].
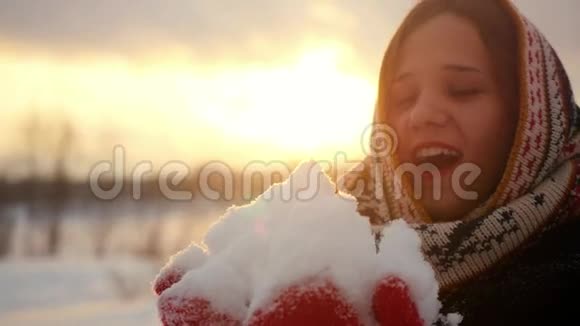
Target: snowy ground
[
  {"x": 69, "y": 292},
  {"x": 76, "y": 288}
]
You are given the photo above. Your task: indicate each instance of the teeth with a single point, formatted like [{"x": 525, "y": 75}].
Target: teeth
[{"x": 435, "y": 151}]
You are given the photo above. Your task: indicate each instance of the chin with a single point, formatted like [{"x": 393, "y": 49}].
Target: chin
[{"x": 445, "y": 211}]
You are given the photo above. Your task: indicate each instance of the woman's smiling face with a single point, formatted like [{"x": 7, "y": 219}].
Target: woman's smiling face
[{"x": 447, "y": 107}]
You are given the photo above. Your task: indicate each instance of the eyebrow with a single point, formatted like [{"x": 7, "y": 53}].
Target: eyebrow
[{"x": 452, "y": 67}]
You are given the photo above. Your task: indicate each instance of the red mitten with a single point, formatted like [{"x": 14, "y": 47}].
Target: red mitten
[
  {"x": 165, "y": 281},
  {"x": 182, "y": 262},
  {"x": 176, "y": 311},
  {"x": 182, "y": 301},
  {"x": 212, "y": 294},
  {"x": 393, "y": 305},
  {"x": 311, "y": 304}
]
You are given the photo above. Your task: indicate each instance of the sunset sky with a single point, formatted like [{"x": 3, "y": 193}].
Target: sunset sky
[{"x": 196, "y": 80}]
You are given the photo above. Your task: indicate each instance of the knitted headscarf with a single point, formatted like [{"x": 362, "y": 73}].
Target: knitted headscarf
[{"x": 540, "y": 188}]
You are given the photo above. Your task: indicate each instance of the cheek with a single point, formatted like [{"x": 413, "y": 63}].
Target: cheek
[
  {"x": 403, "y": 138},
  {"x": 489, "y": 136}
]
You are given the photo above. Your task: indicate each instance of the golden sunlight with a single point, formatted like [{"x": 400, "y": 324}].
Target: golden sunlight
[{"x": 308, "y": 106}]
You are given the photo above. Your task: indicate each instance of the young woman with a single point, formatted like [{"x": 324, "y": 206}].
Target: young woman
[
  {"x": 474, "y": 85},
  {"x": 486, "y": 168}
]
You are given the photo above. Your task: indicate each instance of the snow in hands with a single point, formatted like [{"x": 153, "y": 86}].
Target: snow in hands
[{"x": 300, "y": 254}]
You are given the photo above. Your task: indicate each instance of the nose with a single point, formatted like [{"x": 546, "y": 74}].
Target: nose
[{"x": 428, "y": 111}]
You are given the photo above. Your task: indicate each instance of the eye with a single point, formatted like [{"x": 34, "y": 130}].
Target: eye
[
  {"x": 405, "y": 101},
  {"x": 464, "y": 92},
  {"x": 403, "y": 97}
]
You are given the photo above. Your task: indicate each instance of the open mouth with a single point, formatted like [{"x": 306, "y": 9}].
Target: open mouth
[{"x": 442, "y": 157}]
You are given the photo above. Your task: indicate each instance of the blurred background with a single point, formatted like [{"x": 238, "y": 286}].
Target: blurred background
[{"x": 189, "y": 81}]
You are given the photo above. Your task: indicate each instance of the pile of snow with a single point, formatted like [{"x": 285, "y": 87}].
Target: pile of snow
[{"x": 298, "y": 230}]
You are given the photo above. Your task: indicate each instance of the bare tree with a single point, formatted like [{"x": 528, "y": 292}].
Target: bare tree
[
  {"x": 46, "y": 198},
  {"x": 106, "y": 212},
  {"x": 59, "y": 194},
  {"x": 31, "y": 192},
  {"x": 6, "y": 224}
]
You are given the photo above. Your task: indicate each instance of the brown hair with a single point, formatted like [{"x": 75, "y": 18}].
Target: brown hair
[{"x": 497, "y": 31}]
